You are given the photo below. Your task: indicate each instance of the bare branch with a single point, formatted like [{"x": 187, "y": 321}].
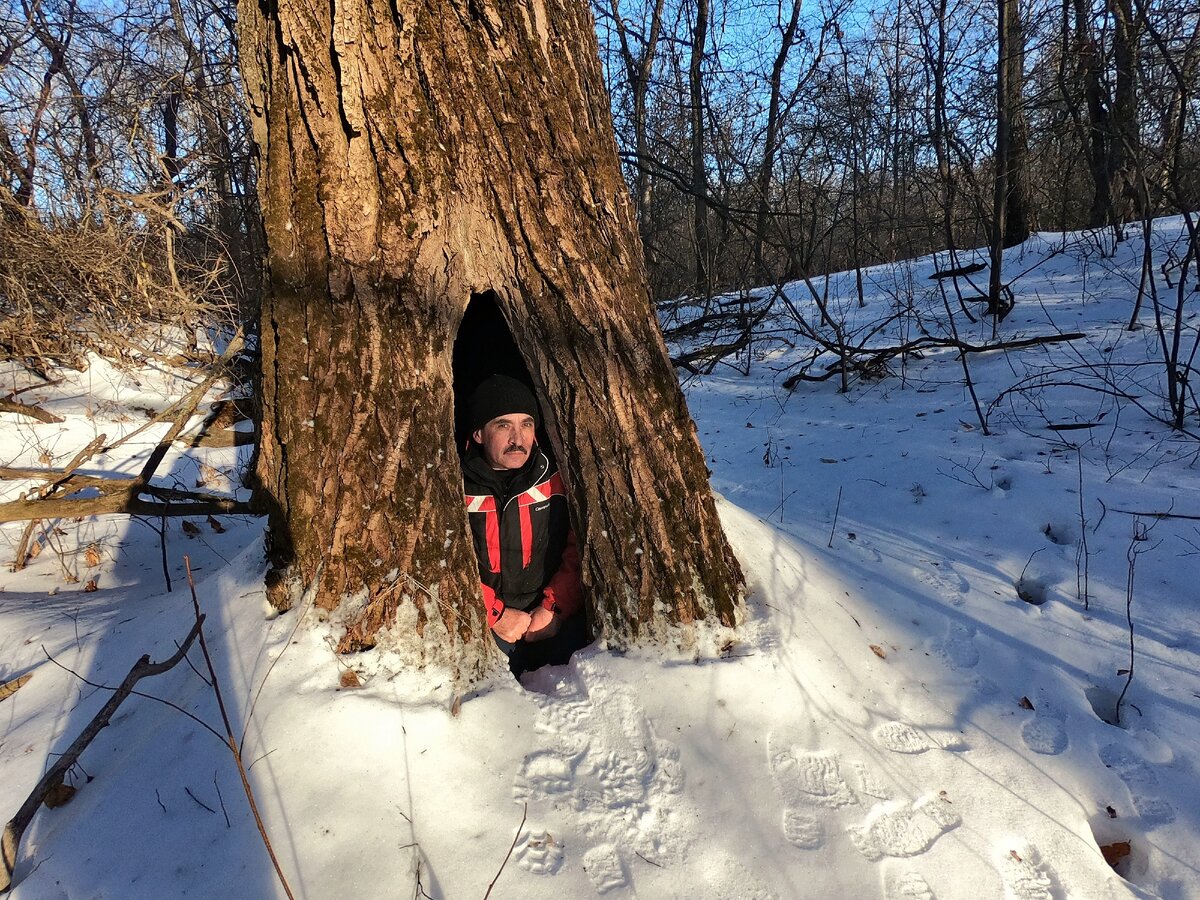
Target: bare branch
[{"x": 143, "y": 668}]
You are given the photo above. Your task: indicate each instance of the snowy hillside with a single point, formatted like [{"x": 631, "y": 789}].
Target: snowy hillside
[{"x": 918, "y": 706}]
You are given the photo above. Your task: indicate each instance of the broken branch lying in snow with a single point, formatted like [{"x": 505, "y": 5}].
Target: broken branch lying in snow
[
  {"x": 34, "y": 412},
  {"x": 874, "y": 357},
  {"x": 124, "y": 496},
  {"x": 143, "y": 668}
]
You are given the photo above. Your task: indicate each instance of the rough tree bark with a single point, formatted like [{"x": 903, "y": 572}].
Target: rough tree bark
[{"x": 413, "y": 153}]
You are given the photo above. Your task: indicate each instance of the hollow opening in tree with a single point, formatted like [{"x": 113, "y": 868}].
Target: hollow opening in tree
[
  {"x": 521, "y": 521},
  {"x": 485, "y": 346}
]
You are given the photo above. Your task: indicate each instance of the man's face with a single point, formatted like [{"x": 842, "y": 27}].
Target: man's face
[{"x": 507, "y": 440}]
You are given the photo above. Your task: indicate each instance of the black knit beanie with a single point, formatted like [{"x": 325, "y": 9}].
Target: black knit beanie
[{"x": 498, "y": 396}]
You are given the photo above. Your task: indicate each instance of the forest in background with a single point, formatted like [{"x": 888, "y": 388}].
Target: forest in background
[
  {"x": 762, "y": 143},
  {"x": 766, "y": 142}
]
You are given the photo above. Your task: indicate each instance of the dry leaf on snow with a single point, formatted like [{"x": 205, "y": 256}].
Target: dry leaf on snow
[
  {"x": 59, "y": 795},
  {"x": 1115, "y": 852},
  {"x": 11, "y": 687}
]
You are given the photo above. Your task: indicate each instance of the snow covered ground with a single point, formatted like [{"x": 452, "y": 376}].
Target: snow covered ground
[{"x": 918, "y": 705}]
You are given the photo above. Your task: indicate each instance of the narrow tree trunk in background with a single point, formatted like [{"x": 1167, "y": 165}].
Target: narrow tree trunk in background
[
  {"x": 413, "y": 154},
  {"x": 1000, "y": 174},
  {"x": 1018, "y": 210},
  {"x": 638, "y": 71},
  {"x": 766, "y": 170},
  {"x": 1096, "y": 147},
  {"x": 941, "y": 137},
  {"x": 699, "y": 173},
  {"x": 1124, "y": 139}
]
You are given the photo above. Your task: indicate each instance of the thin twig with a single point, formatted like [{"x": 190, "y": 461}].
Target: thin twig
[
  {"x": 305, "y": 601},
  {"x": 1081, "y": 553},
  {"x": 165, "y": 702},
  {"x": 1157, "y": 515},
  {"x": 199, "y": 802},
  {"x": 836, "y": 509},
  {"x": 508, "y": 856},
  {"x": 231, "y": 739},
  {"x": 221, "y": 800},
  {"x": 162, "y": 543}
]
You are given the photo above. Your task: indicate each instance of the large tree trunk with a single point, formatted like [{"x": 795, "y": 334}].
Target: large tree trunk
[{"x": 414, "y": 153}]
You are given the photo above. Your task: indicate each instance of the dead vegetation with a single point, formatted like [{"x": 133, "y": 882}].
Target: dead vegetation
[{"x": 111, "y": 282}]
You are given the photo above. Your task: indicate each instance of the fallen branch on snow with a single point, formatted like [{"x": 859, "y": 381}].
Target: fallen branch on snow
[
  {"x": 873, "y": 358},
  {"x": 124, "y": 496},
  {"x": 11, "y": 840},
  {"x": 33, "y": 412}
]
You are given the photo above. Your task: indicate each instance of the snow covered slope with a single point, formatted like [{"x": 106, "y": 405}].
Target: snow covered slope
[{"x": 917, "y": 706}]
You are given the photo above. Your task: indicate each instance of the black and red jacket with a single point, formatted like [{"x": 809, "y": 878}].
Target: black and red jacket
[{"x": 523, "y": 538}]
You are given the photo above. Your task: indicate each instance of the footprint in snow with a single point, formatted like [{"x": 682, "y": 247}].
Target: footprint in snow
[
  {"x": 903, "y": 829},
  {"x": 1046, "y": 732},
  {"x": 809, "y": 780},
  {"x": 803, "y": 830},
  {"x": 1025, "y": 876},
  {"x": 902, "y": 738},
  {"x": 546, "y": 772},
  {"x": 598, "y": 763},
  {"x": 604, "y": 868},
  {"x": 868, "y": 784},
  {"x": 957, "y": 647},
  {"x": 948, "y": 584},
  {"x": 539, "y": 853},
  {"x": 1142, "y": 783},
  {"x": 904, "y": 884},
  {"x": 808, "y": 777}
]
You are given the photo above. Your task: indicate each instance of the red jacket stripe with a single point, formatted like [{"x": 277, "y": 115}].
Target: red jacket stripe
[{"x": 526, "y": 535}]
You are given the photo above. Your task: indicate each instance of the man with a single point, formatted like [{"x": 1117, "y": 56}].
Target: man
[{"x": 528, "y": 558}]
